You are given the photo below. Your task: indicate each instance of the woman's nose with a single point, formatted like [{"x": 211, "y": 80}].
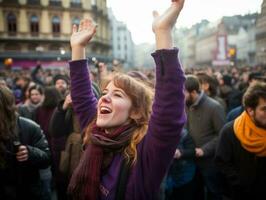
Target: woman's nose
[{"x": 106, "y": 98}]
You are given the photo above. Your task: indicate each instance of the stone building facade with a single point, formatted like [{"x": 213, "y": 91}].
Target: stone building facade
[{"x": 32, "y": 30}]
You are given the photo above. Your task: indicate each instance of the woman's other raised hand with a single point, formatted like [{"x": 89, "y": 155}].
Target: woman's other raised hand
[
  {"x": 163, "y": 24},
  {"x": 81, "y": 36}
]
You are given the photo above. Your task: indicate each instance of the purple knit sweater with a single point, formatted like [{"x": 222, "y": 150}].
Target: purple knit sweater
[{"x": 157, "y": 148}]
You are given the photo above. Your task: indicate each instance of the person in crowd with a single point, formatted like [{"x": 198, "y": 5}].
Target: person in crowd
[
  {"x": 3, "y": 82},
  {"x": 23, "y": 152},
  {"x": 234, "y": 113},
  {"x": 19, "y": 89},
  {"x": 206, "y": 117},
  {"x": 129, "y": 143},
  {"x": 36, "y": 96},
  {"x": 241, "y": 151},
  {"x": 61, "y": 126},
  {"x": 230, "y": 95},
  {"x": 36, "y": 74},
  {"x": 179, "y": 182},
  {"x": 210, "y": 86},
  {"x": 43, "y": 115},
  {"x": 61, "y": 83}
]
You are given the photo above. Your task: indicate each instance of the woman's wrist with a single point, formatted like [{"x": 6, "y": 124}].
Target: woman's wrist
[
  {"x": 163, "y": 40},
  {"x": 78, "y": 52}
]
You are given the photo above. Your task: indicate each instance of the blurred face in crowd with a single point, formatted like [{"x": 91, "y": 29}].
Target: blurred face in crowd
[
  {"x": 49, "y": 80},
  {"x": 21, "y": 82},
  {"x": 35, "y": 96},
  {"x": 113, "y": 108},
  {"x": 258, "y": 114},
  {"x": 190, "y": 97},
  {"x": 205, "y": 87},
  {"x": 61, "y": 86},
  {"x": 2, "y": 83}
]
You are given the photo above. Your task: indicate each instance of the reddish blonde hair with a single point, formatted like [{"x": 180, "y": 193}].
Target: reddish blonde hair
[{"x": 141, "y": 96}]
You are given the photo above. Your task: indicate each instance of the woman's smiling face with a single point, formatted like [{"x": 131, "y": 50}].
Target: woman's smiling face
[{"x": 113, "y": 108}]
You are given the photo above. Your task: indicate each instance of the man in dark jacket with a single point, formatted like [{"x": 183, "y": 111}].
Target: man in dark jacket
[
  {"x": 23, "y": 151},
  {"x": 205, "y": 119},
  {"x": 241, "y": 152}
]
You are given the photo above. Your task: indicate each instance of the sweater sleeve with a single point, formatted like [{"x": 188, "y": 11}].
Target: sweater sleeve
[
  {"x": 84, "y": 100},
  {"x": 167, "y": 118}
]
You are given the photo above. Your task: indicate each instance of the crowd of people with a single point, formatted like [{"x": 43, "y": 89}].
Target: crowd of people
[{"x": 170, "y": 133}]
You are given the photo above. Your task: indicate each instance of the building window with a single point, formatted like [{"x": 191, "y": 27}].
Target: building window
[
  {"x": 75, "y": 3},
  {"x": 55, "y": 3},
  {"x": 11, "y": 24},
  {"x": 56, "y": 25},
  {"x": 33, "y": 2},
  {"x": 34, "y": 24}
]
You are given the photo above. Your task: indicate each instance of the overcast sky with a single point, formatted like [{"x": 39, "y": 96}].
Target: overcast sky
[{"x": 137, "y": 14}]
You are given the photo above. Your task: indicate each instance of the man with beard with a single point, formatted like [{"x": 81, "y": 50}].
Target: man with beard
[
  {"x": 206, "y": 117},
  {"x": 61, "y": 83},
  {"x": 241, "y": 152}
]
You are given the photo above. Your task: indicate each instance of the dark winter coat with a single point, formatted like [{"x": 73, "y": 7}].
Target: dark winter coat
[{"x": 21, "y": 180}]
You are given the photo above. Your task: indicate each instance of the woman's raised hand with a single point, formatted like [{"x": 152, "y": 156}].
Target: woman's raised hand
[
  {"x": 166, "y": 21},
  {"x": 82, "y": 34},
  {"x": 163, "y": 24}
]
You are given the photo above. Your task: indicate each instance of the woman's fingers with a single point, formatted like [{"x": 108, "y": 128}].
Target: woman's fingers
[
  {"x": 74, "y": 28},
  {"x": 155, "y": 14},
  {"x": 81, "y": 24}
]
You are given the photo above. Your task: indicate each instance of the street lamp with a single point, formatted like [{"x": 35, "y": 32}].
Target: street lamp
[
  {"x": 62, "y": 51},
  {"x": 39, "y": 49}
]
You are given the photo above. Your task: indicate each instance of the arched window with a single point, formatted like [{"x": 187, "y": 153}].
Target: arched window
[
  {"x": 11, "y": 23},
  {"x": 34, "y": 24},
  {"x": 56, "y": 25}
]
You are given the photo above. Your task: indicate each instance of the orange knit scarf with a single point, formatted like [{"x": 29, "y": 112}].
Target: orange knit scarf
[{"x": 252, "y": 138}]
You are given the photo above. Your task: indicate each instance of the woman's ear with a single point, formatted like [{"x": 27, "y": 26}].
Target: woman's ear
[
  {"x": 135, "y": 115},
  {"x": 250, "y": 111}
]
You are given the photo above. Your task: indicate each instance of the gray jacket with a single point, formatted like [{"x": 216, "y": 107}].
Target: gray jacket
[{"x": 206, "y": 118}]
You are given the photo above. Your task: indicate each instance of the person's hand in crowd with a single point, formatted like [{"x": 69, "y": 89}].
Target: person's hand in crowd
[
  {"x": 177, "y": 154},
  {"x": 22, "y": 154},
  {"x": 67, "y": 102},
  {"x": 199, "y": 152}
]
